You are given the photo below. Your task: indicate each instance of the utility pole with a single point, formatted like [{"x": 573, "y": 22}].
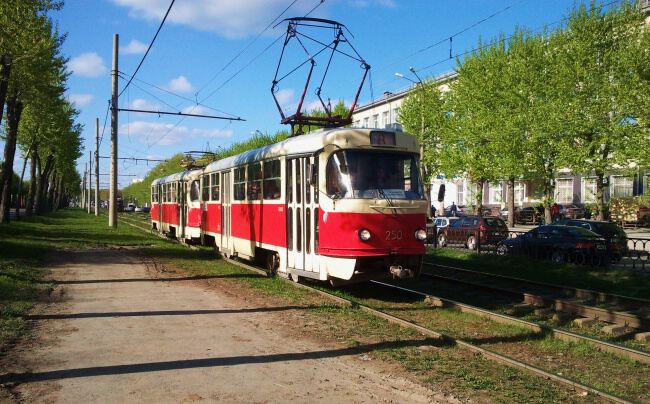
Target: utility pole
[
  {"x": 112, "y": 212},
  {"x": 90, "y": 178},
  {"x": 96, "y": 166},
  {"x": 83, "y": 187}
]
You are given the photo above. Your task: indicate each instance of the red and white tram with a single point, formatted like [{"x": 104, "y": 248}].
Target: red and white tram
[
  {"x": 176, "y": 205},
  {"x": 341, "y": 204}
]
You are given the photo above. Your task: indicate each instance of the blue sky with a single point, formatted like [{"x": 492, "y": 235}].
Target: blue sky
[{"x": 201, "y": 36}]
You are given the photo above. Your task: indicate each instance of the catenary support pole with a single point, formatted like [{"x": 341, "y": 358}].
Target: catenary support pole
[
  {"x": 96, "y": 166},
  {"x": 83, "y": 187},
  {"x": 112, "y": 212},
  {"x": 90, "y": 179}
]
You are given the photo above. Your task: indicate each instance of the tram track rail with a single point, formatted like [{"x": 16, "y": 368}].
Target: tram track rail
[
  {"x": 486, "y": 353},
  {"x": 632, "y": 315}
]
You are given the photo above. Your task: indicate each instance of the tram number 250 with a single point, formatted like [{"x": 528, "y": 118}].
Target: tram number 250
[{"x": 393, "y": 234}]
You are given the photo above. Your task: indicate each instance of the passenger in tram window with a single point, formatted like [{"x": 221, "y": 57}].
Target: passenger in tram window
[
  {"x": 271, "y": 189},
  {"x": 254, "y": 191}
]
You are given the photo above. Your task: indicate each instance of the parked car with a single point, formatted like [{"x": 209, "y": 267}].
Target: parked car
[
  {"x": 130, "y": 207},
  {"x": 615, "y": 237},
  {"x": 460, "y": 211},
  {"x": 142, "y": 209},
  {"x": 529, "y": 215},
  {"x": 557, "y": 243},
  {"x": 470, "y": 230},
  {"x": 571, "y": 211}
]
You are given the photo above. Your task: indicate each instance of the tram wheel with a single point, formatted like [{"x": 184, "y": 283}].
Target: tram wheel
[{"x": 272, "y": 263}]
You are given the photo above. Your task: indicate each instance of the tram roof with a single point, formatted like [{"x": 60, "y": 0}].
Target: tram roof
[
  {"x": 176, "y": 176},
  {"x": 296, "y": 145}
]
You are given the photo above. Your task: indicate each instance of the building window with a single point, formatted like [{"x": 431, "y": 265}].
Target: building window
[
  {"x": 272, "y": 184},
  {"x": 365, "y": 122},
  {"x": 385, "y": 121},
  {"x": 460, "y": 194},
  {"x": 564, "y": 190},
  {"x": 496, "y": 192},
  {"x": 214, "y": 187},
  {"x": 588, "y": 190},
  {"x": 396, "y": 115},
  {"x": 520, "y": 192},
  {"x": 622, "y": 186},
  {"x": 357, "y": 123},
  {"x": 375, "y": 121}
]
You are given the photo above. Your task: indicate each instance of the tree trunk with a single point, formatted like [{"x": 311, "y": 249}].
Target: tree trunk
[
  {"x": 29, "y": 206},
  {"x": 50, "y": 191},
  {"x": 20, "y": 183},
  {"x": 600, "y": 195},
  {"x": 510, "y": 196},
  {"x": 57, "y": 193},
  {"x": 14, "y": 109},
  {"x": 479, "y": 197},
  {"x": 5, "y": 71},
  {"x": 41, "y": 186},
  {"x": 548, "y": 197}
]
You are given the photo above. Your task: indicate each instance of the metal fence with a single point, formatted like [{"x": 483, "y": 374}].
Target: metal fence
[{"x": 630, "y": 252}]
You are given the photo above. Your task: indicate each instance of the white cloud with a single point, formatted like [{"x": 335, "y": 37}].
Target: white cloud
[
  {"x": 180, "y": 85},
  {"x": 80, "y": 100},
  {"x": 140, "y": 103},
  {"x": 373, "y": 3},
  {"x": 134, "y": 47},
  {"x": 230, "y": 18},
  {"x": 88, "y": 65},
  {"x": 166, "y": 134},
  {"x": 285, "y": 98},
  {"x": 197, "y": 110}
]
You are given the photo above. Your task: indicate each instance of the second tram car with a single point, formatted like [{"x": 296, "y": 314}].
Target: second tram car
[{"x": 342, "y": 205}]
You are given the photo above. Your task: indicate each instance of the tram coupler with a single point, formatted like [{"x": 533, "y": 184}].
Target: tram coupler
[{"x": 401, "y": 273}]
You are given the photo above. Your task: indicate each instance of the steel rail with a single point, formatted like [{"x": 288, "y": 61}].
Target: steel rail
[
  {"x": 503, "y": 359},
  {"x": 578, "y": 292},
  {"x": 633, "y": 354},
  {"x": 562, "y": 305}
]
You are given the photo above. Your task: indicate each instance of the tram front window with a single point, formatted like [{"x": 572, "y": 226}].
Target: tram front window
[{"x": 371, "y": 174}]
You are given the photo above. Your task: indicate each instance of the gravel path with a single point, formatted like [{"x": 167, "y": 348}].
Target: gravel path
[{"x": 118, "y": 333}]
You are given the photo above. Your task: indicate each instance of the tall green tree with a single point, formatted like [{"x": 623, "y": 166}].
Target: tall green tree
[{"x": 604, "y": 62}]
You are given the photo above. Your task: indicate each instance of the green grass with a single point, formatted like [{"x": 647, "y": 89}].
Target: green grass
[
  {"x": 25, "y": 246},
  {"x": 618, "y": 281}
]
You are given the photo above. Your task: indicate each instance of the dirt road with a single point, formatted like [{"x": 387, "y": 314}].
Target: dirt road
[{"x": 121, "y": 334}]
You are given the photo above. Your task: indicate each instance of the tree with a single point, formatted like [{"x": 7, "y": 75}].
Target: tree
[
  {"x": 606, "y": 88},
  {"x": 423, "y": 114},
  {"x": 36, "y": 70}
]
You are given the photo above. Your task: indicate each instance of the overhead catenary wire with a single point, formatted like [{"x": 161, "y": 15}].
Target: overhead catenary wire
[
  {"x": 504, "y": 39},
  {"x": 320, "y": 2},
  {"x": 148, "y": 48}
]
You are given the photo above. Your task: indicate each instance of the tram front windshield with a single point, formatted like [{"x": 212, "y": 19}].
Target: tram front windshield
[{"x": 372, "y": 175}]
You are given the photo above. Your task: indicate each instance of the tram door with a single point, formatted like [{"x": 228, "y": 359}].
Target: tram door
[
  {"x": 302, "y": 215},
  {"x": 225, "y": 211}
]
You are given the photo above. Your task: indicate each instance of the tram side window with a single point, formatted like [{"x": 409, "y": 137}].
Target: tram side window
[
  {"x": 163, "y": 197},
  {"x": 298, "y": 182},
  {"x": 205, "y": 190},
  {"x": 172, "y": 192},
  {"x": 154, "y": 196},
  {"x": 239, "y": 184},
  {"x": 255, "y": 182},
  {"x": 214, "y": 188},
  {"x": 272, "y": 179},
  {"x": 194, "y": 191}
]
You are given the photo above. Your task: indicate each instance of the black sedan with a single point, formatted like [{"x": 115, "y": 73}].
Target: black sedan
[
  {"x": 615, "y": 237},
  {"x": 559, "y": 244}
]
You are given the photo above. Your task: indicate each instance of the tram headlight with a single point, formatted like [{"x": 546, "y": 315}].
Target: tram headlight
[
  {"x": 421, "y": 234},
  {"x": 364, "y": 234}
]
